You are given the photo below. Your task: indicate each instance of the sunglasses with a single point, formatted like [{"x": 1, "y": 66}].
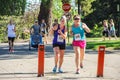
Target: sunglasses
[
  {"x": 62, "y": 21},
  {"x": 76, "y": 18}
]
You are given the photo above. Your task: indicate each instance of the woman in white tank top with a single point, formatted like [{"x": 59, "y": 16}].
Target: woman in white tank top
[{"x": 11, "y": 35}]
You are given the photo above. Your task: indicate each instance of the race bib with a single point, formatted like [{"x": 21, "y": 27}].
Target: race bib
[
  {"x": 77, "y": 37},
  {"x": 59, "y": 39}
]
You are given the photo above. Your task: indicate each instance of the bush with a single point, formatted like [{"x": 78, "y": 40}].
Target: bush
[{"x": 97, "y": 31}]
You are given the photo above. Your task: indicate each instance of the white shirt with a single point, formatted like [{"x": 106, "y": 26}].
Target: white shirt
[{"x": 11, "y": 32}]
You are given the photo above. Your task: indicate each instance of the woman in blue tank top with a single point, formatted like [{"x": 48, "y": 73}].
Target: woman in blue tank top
[
  {"x": 112, "y": 29},
  {"x": 60, "y": 33},
  {"x": 79, "y": 42}
]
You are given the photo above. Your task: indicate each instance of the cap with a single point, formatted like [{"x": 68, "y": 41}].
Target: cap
[{"x": 36, "y": 21}]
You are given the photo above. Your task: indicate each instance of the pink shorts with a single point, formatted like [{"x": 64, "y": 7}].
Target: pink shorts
[{"x": 81, "y": 44}]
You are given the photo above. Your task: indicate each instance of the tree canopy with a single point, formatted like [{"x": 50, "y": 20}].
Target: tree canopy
[{"x": 12, "y": 7}]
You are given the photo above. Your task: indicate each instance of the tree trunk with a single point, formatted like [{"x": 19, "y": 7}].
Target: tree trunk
[
  {"x": 79, "y": 10},
  {"x": 46, "y": 12}
]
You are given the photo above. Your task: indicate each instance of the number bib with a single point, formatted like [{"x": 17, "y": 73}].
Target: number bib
[
  {"x": 59, "y": 39},
  {"x": 77, "y": 37}
]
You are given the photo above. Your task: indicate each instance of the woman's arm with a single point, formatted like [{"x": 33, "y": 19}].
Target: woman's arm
[
  {"x": 85, "y": 27},
  {"x": 64, "y": 35},
  {"x": 54, "y": 28},
  {"x": 51, "y": 31}
]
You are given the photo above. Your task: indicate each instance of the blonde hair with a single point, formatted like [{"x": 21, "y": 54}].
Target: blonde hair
[
  {"x": 63, "y": 17},
  {"x": 75, "y": 16},
  {"x": 105, "y": 23}
]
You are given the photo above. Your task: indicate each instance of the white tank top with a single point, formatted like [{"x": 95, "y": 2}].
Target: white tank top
[{"x": 11, "y": 32}]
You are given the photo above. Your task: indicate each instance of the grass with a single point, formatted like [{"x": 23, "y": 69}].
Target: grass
[{"x": 94, "y": 43}]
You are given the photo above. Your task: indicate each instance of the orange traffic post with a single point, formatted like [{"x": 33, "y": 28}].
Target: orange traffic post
[
  {"x": 100, "y": 67},
  {"x": 40, "y": 60}
]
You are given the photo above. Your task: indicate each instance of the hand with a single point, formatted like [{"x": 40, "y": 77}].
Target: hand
[
  {"x": 59, "y": 31},
  {"x": 84, "y": 25}
]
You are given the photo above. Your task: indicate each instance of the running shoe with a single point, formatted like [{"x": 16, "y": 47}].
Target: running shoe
[
  {"x": 54, "y": 69},
  {"x": 60, "y": 70}
]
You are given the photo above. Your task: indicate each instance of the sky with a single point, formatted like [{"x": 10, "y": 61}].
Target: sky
[{"x": 31, "y": 2}]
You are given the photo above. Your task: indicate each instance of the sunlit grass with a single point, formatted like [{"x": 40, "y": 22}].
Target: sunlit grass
[{"x": 94, "y": 43}]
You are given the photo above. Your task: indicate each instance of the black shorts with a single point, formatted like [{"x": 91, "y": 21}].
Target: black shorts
[
  {"x": 106, "y": 33},
  {"x": 43, "y": 33},
  {"x": 61, "y": 46},
  {"x": 11, "y": 39}
]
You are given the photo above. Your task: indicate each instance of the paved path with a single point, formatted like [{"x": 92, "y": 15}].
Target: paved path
[{"x": 22, "y": 65}]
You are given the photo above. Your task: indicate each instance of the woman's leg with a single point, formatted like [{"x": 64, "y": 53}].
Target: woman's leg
[
  {"x": 114, "y": 35},
  {"x": 77, "y": 56},
  {"x": 9, "y": 43},
  {"x": 103, "y": 35},
  {"x": 46, "y": 38},
  {"x": 56, "y": 53},
  {"x": 61, "y": 58},
  {"x": 12, "y": 43},
  {"x": 108, "y": 34},
  {"x": 82, "y": 52}
]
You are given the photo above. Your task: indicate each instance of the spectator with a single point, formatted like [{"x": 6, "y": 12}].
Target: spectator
[
  {"x": 35, "y": 30},
  {"x": 44, "y": 30},
  {"x": 106, "y": 32},
  {"x": 112, "y": 29}
]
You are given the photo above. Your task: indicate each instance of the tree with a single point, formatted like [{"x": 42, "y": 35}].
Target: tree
[
  {"x": 102, "y": 9},
  {"x": 46, "y": 12},
  {"x": 12, "y": 7},
  {"x": 57, "y": 9}
]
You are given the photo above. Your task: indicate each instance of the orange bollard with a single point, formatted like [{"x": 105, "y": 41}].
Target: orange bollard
[
  {"x": 100, "y": 67},
  {"x": 40, "y": 60}
]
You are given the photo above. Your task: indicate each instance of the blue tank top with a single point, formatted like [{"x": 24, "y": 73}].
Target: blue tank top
[
  {"x": 112, "y": 28},
  {"x": 57, "y": 39},
  {"x": 78, "y": 32}
]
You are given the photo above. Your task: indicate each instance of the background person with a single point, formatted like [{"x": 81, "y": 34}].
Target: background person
[
  {"x": 44, "y": 30},
  {"x": 35, "y": 30},
  {"x": 112, "y": 29},
  {"x": 59, "y": 32},
  {"x": 79, "y": 41},
  {"x": 11, "y": 35},
  {"x": 106, "y": 32}
]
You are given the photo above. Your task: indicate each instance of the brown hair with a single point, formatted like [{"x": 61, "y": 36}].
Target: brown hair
[{"x": 54, "y": 24}]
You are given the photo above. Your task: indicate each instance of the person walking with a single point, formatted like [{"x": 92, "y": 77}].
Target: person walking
[
  {"x": 11, "y": 35},
  {"x": 112, "y": 29},
  {"x": 35, "y": 30},
  {"x": 59, "y": 32},
  {"x": 43, "y": 27},
  {"x": 79, "y": 41},
  {"x": 106, "y": 32}
]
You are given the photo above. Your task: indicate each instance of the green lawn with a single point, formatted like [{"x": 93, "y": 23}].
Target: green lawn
[{"x": 94, "y": 43}]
